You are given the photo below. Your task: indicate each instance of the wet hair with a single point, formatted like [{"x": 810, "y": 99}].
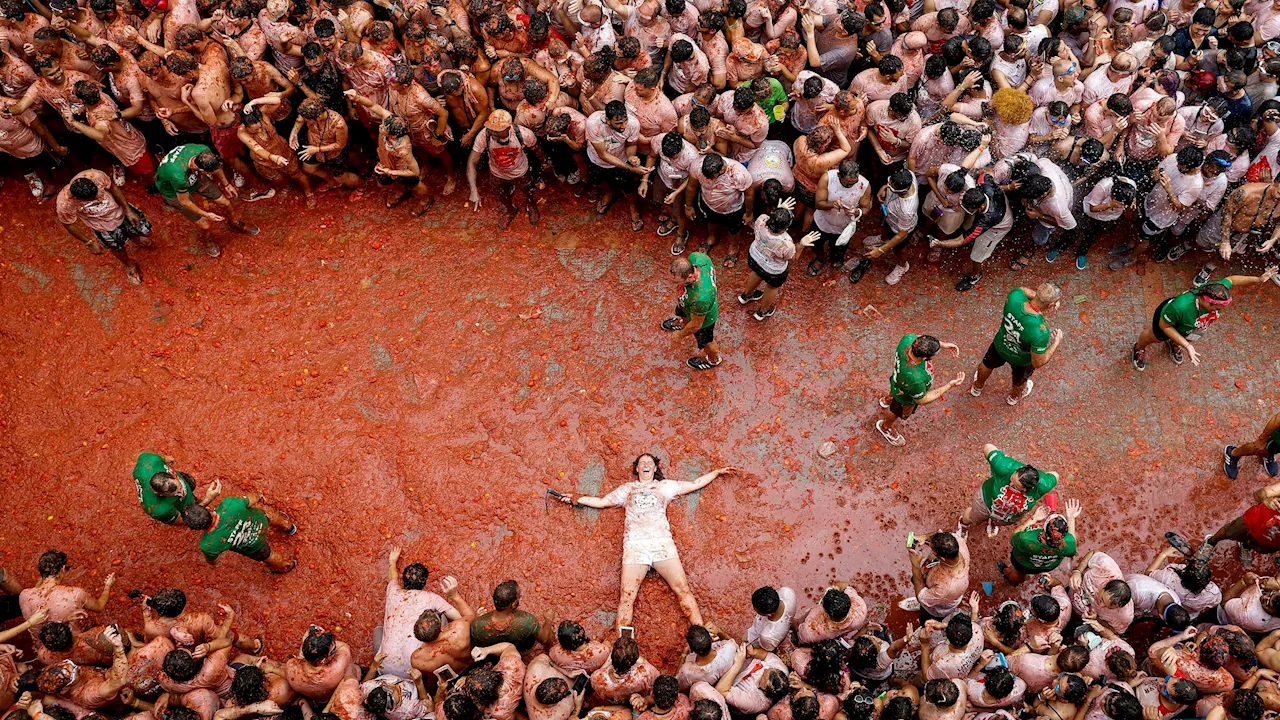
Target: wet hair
[
  {"x": 181, "y": 666},
  {"x": 535, "y": 91},
  {"x": 317, "y": 646},
  {"x": 324, "y": 28},
  {"x": 395, "y": 126},
  {"x": 859, "y": 705},
  {"x": 428, "y": 625},
  {"x": 187, "y": 35},
  {"x": 1044, "y": 607},
  {"x": 675, "y": 7},
  {"x": 169, "y": 602},
  {"x": 1124, "y": 192},
  {"x": 1183, "y": 691},
  {"x": 87, "y": 92},
  {"x": 955, "y": 182},
  {"x": 615, "y": 110},
  {"x": 625, "y": 654},
  {"x": 539, "y": 25},
  {"x": 1027, "y": 475},
  {"x": 901, "y": 180},
  {"x": 45, "y": 34},
  {"x": 570, "y": 635},
  {"x": 1190, "y": 157},
  {"x": 1122, "y": 664},
  {"x": 506, "y": 595},
  {"x": 743, "y": 98},
  {"x": 666, "y": 691},
  {"x": 941, "y": 693},
  {"x": 648, "y": 77},
  {"x": 765, "y": 600},
  {"x": 848, "y": 168},
  {"x": 712, "y": 165},
  {"x": 1073, "y": 658},
  {"x": 379, "y": 701},
  {"x": 558, "y": 124},
  {"x": 712, "y": 20},
  {"x": 1091, "y": 150},
  {"x": 414, "y": 576},
  {"x": 57, "y": 636},
  {"x": 949, "y": 132},
  {"x": 180, "y": 62},
  {"x": 775, "y": 685},
  {"x": 890, "y": 64},
  {"x": 380, "y": 30},
  {"x": 999, "y": 682},
  {"x": 312, "y": 50},
  {"x": 836, "y": 604},
  {"x": 960, "y": 626},
  {"x": 1176, "y": 617},
  {"x": 51, "y": 563},
  {"x": 27, "y": 680},
  {"x": 948, "y": 19},
  {"x": 1195, "y": 576},
  {"x": 899, "y": 708},
  {"x": 1248, "y": 704},
  {"x": 934, "y": 66},
  {"x": 104, "y": 55},
  {"x": 1074, "y": 689},
  {"x": 553, "y": 690},
  {"x": 1203, "y": 16},
  {"x": 249, "y": 685},
  {"x": 1008, "y": 622},
  {"x": 181, "y": 712},
  {"x": 681, "y": 50},
  {"x": 863, "y": 654},
  {"x": 703, "y": 710},
  {"x": 459, "y": 706},
  {"x": 944, "y": 544},
  {"x": 973, "y": 199},
  {"x": 1239, "y": 644},
  {"x": 772, "y": 191},
  {"x": 628, "y": 47},
  {"x": 483, "y": 685},
  {"x": 57, "y": 712},
  {"x": 1119, "y": 590},
  {"x": 699, "y": 639},
  {"x": 1214, "y": 652},
  {"x": 900, "y": 104},
  {"x": 805, "y": 707},
  {"x": 81, "y": 189},
  {"x": 1214, "y": 291},
  {"x": 241, "y": 67}
]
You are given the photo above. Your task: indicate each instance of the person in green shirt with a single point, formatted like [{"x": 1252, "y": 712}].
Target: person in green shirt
[
  {"x": 698, "y": 309},
  {"x": 1265, "y": 447},
  {"x": 1041, "y": 543},
  {"x": 770, "y": 96},
  {"x": 1010, "y": 492},
  {"x": 509, "y": 624},
  {"x": 1023, "y": 340},
  {"x": 1182, "y": 319},
  {"x": 164, "y": 492},
  {"x": 195, "y": 168},
  {"x": 240, "y": 524},
  {"x": 910, "y": 383}
]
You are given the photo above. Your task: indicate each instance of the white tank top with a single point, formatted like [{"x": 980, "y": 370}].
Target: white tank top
[{"x": 835, "y": 220}]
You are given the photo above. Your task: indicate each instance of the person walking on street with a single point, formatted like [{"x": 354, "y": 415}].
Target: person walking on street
[
  {"x": 698, "y": 308},
  {"x": 1024, "y": 340}
]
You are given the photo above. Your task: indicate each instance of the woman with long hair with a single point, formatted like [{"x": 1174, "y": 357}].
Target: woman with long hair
[{"x": 646, "y": 540}]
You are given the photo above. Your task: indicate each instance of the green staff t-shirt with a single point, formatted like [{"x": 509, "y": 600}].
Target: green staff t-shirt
[
  {"x": 770, "y": 104},
  {"x": 164, "y": 509},
  {"x": 241, "y": 529},
  {"x": 1030, "y": 552},
  {"x": 1021, "y": 333},
  {"x": 1006, "y": 499},
  {"x": 910, "y": 381},
  {"x": 700, "y": 297},
  {"x": 1185, "y": 315},
  {"x": 173, "y": 177}
]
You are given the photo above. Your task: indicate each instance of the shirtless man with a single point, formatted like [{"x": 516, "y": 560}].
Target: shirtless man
[
  {"x": 325, "y": 154},
  {"x": 1250, "y": 215},
  {"x": 165, "y": 79},
  {"x": 444, "y": 644},
  {"x": 468, "y": 103},
  {"x": 272, "y": 157},
  {"x": 61, "y": 603},
  {"x": 396, "y": 163},
  {"x": 46, "y": 42},
  {"x": 87, "y": 686},
  {"x": 325, "y": 662},
  {"x": 508, "y": 84},
  {"x": 428, "y": 121},
  {"x": 257, "y": 79}
]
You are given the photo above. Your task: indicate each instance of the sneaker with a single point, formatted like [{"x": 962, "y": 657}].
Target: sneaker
[
  {"x": 760, "y": 314},
  {"x": 1052, "y": 255},
  {"x": 575, "y": 177},
  {"x": 974, "y": 390},
  {"x": 671, "y": 324},
  {"x": 213, "y": 250},
  {"x": 744, "y": 299},
  {"x": 895, "y": 276},
  {"x": 1082, "y": 262},
  {"x": 1119, "y": 250},
  {"x": 1175, "y": 352},
  {"x": 701, "y": 363},
  {"x": 36, "y": 184},
  {"x": 1025, "y": 392},
  {"x": 117, "y": 174},
  {"x": 1230, "y": 463},
  {"x": 1139, "y": 358},
  {"x": 1269, "y": 464},
  {"x": 1122, "y": 262},
  {"x": 1203, "y": 275},
  {"x": 1177, "y": 252},
  {"x": 892, "y": 436},
  {"x": 910, "y": 604},
  {"x": 1160, "y": 255},
  {"x": 1246, "y": 556},
  {"x": 968, "y": 282},
  {"x": 237, "y": 179},
  {"x": 261, "y": 195},
  {"x": 855, "y": 275}
]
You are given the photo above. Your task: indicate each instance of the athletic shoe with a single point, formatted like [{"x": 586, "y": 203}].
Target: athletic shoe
[
  {"x": 1160, "y": 255},
  {"x": 1139, "y": 358},
  {"x": 1052, "y": 255},
  {"x": 1178, "y": 251},
  {"x": 910, "y": 604},
  {"x": 261, "y": 195},
  {"x": 761, "y": 314},
  {"x": 671, "y": 325},
  {"x": 893, "y": 437},
  {"x": 1203, "y": 275},
  {"x": 117, "y": 174},
  {"x": 968, "y": 282},
  {"x": 1269, "y": 464},
  {"x": 883, "y": 405},
  {"x": 575, "y": 178},
  {"x": 701, "y": 363},
  {"x": 895, "y": 276},
  {"x": 856, "y": 274},
  {"x": 1121, "y": 250},
  {"x": 1230, "y": 463},
  {"x": 237, "y": 179},
  {"x": 1026, "y": 391},
  {"x": 1122, "y": 262},
  {"x": 36, "y": 184},
  {"x": 974, "y": 390},
  {"x": 1175, "y": 352},
  {"x": 1082, "y": 262},
  {"x": 744, "y": 299},
  {"x": 214, "y": 250}
]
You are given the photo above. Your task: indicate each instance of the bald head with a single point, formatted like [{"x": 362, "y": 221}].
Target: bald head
[
  {"x": 1124, "y": 62},
  {"x": 1062, "y": 68}
]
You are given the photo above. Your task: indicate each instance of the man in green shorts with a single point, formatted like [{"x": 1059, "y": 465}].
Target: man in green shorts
[
  {"x": 1265, "y": 447},
  {"x": 1011, "y": 491},
  {"x": 239, "y": 524},
  {"x": 164, "y": 492},
  {"x": 194, "y": 168},
  {"x": 698, "y": 308},
  {"x": 1041, "y": 543},
  {"x": 1182, "y": 319},
  {"x": 910, "y": 382},
  {"x": 1023, "y": 341}
]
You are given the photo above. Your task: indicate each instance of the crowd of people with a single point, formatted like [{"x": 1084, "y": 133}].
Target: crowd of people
[
  {"x": 1089, "y": 641},
  {"x": 950, "y": 123}
]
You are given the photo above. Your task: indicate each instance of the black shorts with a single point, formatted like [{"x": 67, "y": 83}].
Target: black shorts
[
  {"x": 704, "y": 336},
  {"x": 1273, "y": 448},
  {"x": 770, "y": 279},
  {"x": 1013, "y": 561},
  {"x": 900, "y": 411},
  {"x": 115, "y": 239},
  {"x": 805, "y": 197},
  {"x": 993, "y": 360},
  {"x": 260, "y": 556},
  {"x": 732, "y": 222},
  {"x": 1155, "y": 322},
  {"x": 618, "y": 179}
]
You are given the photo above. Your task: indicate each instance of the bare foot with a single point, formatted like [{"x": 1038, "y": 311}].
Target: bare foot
[
  {"x": 311, "y": 200},
  {"x": 450, "y": 185}
]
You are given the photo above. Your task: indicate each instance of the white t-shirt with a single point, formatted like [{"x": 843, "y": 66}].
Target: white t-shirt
[
  {"x": 615, "y": 142},
  {"x": 900, "y": 213},
  {"x": 1147, "y": 593},
  {"x": 646, "y": 506},
  {"x": 673, "y": 171},
  {"x": 1160, "y": 212},
  {"x": 846, "y": 199},
  {"x": 768, "y": 634},
  {"x": 403, "y": 607},
  {"x": 691, "y": 672},
  {"x": 1101, "y": 193},
  {"x": 1058, "y": 206},
  {"x": 410, "y": 706},
  {"x": 774, "y": 161},
  {"x": 771, "y": 251},
  {"x": 746, "y": 696}
]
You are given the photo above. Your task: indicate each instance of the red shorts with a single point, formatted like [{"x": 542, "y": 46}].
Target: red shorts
[
  {"x": 1263, "y": 525},
  {"x": 145, "y": 166},
  {"x": 226, "y": 142}
]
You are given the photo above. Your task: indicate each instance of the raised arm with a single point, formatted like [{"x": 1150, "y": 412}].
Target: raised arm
[{"x": 99, "y": 603}]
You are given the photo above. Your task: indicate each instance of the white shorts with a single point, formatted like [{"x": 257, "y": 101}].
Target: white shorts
[{"x": 648, "y": 551}]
